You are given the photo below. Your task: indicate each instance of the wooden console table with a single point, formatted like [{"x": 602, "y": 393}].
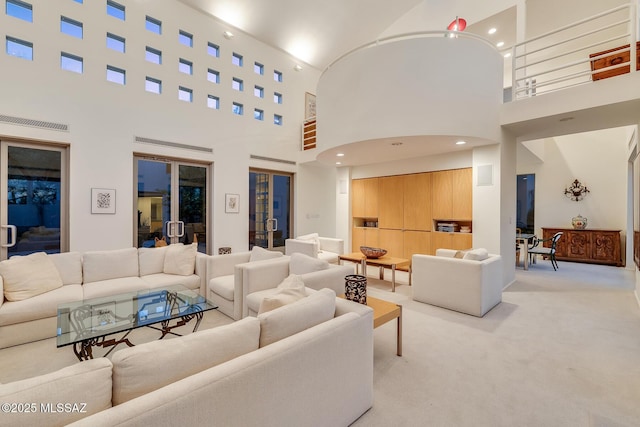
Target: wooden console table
[{"x": 589, "y": 246}]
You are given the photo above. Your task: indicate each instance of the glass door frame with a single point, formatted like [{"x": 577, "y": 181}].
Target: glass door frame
[
  {"x": 63, "y": 149},
  {"x": 270, "y": 215},
  {"x": 175, "y": 163}
]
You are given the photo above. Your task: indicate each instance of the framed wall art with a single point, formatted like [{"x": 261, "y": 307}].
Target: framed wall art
[
  {"x": 103, "y": 201},
  {"x": 232, "y": 203},
  {"x": 309, "y": 105}
]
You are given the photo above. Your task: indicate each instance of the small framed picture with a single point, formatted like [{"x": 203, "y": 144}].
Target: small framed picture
[
  {"x": 232, "y": 203},
  {"x": 103, "y": 201},
  {"x": 309, "y": 105}
]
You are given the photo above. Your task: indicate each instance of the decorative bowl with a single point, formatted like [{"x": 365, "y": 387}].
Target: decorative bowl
[{"x": 372, "y": 252}]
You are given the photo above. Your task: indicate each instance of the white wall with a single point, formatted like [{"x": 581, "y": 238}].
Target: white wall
[
  {"x": 598, "y": 160},
  {"x": 104, "y": 118},
  {"x": 315, "y": 200}
]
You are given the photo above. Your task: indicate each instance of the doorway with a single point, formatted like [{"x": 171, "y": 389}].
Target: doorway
[
  {"x": 34, "y": 188},
  {"x": 171, "y": 202},
  {"x": 270, "y": 209}
]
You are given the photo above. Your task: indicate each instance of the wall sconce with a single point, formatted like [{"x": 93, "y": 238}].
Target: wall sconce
[
  {"x": 576, "y": 191},
  {"x": 228, "y": 35}
]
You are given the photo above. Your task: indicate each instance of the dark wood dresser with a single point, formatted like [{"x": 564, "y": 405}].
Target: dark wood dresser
[
  {"x": 613, "y": 59},
  {"x": 589, "y": 245}
]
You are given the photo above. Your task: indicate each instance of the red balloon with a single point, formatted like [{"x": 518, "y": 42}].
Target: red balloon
[{"x": 458, "y": 24}]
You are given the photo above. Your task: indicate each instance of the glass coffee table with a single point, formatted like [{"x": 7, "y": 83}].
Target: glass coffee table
[{"x": 89, "y": 323}]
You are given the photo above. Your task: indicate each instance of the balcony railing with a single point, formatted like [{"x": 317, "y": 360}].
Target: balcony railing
[{"x": 569, "y": 56}]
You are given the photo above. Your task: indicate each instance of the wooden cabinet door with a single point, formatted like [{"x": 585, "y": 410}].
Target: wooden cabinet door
[
  {"x": 605, "y": 247},
  {"x": 442, "y": 194},
  {"x": 417, "y": 242},
  {"x": 370, "y": 198},
  {"x": 392, "y": 241},
  {"x": 578, "y": 245},
  {"x": 357, "y": 198},
  {"x": 357, "y": 239},
  {"x": 417, "y": 202},
  {"x": 371, "y": 238},
  {"x": 462, "y": 187},
  {"x": 440, "y": 240},
  {"x": 461, "y": 241},
  {"x": 391, "y": 202}
]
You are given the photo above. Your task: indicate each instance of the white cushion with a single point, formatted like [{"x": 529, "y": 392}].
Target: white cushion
[
  {"x": 146, "y": 367},
  {"x": 69, "y": 265},
  {"x": 28, "y": 276},
  {"x": 296, "y": 317},
  {"x": 86, "y": 383},
  {"x": 479, "y": 254},
  {"x": 289, "y": 291},
  {"x": 259, "y": 254},
  {"x": 151, "y": 260},
  {"x": 113, "y": 264},
  {"x": 180, "y": 259},
  {"x": 223, "y": 286},
  {"x": 301, "y": 264},
  {"x": 314, "y": 237}
]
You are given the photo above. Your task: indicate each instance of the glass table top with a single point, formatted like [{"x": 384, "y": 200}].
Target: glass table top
[{"x": 98, "y": 317}]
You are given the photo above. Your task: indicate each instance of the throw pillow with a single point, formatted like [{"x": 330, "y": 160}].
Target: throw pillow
[
  {"x": 27, "y": 276},
  {"x": 301, "y": 264},
  {"x": 290, "y": 290},
  {"x": 459, "y": 254},
  {"x": 259, "y": 254},
  {"x": 314, "y": 237},
  {"x": 180, "y": 259},
  {"x": 479, "y": 254}
]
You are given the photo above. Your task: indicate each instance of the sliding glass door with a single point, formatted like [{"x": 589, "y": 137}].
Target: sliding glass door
[
  {"x": 270, "y": 209},
  {"x": 34, "y": 192},
  {"x": 171, "y": 202}
]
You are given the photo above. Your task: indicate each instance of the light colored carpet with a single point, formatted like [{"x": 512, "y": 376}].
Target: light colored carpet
[{"x": 562, "y": 349}]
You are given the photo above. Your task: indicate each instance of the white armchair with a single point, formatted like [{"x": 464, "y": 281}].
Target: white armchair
[
  {"x": 468, "y": 282},
  {"x": 326, "y": 248}
]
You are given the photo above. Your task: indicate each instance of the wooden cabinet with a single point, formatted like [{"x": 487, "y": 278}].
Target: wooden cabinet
[
  {"x": 451, "y": 195},
  {"x": 442, "y": 194},
  {"x": 417, "y": 202},
  {"x": 614, "y": 59},
  {"x": 444, "y": 240},
  {"x": 391, "y": 202},
  {"x": 392, "y": 241},
  {"x": 589, "y": 246},
  {"x": 364, "y": 198},
  {"x": 416, "y": 242},
  {"x": 364, "y": 236}
]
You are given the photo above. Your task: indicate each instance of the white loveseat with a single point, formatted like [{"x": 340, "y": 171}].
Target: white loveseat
[
  {"x": 326, "y": 248},
  {"x": 27, "y": 315},
  {"x": 309, "y": 363},
  {"x": 469, "y": 282}
]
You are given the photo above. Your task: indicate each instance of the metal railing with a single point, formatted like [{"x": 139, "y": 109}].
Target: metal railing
[{"x": 569, "y": 56}]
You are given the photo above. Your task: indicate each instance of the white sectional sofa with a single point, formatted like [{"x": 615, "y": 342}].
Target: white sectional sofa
[
  {"x": 309, "y": 363},
  {"x": 326, "y": 248},
  {"x": 32, "y": 286},
  {"x": 466, "y": 281}
]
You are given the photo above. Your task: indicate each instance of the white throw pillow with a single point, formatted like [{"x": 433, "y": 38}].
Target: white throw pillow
[
  {"x": 296, "y": 317},
  {"x": 301, "y": 264},
  {"x": 180, "y": 259},
  {"x": 259, "y": 254},
  {"x": 151, "y": 260},
  {"x": 290, "y": 290},
  {"x": 479, "y": 254},
  {"x": 27, "y": 276},
  {"x": 314, "y": 237}
]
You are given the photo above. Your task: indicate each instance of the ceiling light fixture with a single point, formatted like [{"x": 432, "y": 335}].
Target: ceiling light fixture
[
  {"x": 297, "y": 67},
  {"x": 500, "y": 44},
  {"x": 338, "y": 163},
  {"x": 340, "y": 155},
  {"x": 492, "y": 31},
  {"x": 228, "y": 35},
  {"x": 458, "y": 24},
  {"x": 461, "y": 142}
]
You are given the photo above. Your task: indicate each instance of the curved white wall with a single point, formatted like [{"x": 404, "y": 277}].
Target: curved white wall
[{"x": 409, "y": 87}]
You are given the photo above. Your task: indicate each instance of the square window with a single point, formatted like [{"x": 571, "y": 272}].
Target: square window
[
  {"x": 153, "y": 85},
  {"x": 258, "y": 68},
  {"x": 213, "y": 50},
  {"x": 78, "y": 1},
  {"x": 116, "y": 75},
  {"x": 213, "y": 102},
  {"x": 258, "y": 91},
  {"x": 213, "y": 76},
  {"x": 277, "y": 76},
  {"x": 236, "y": 59},
  {"x": 153, "y": 55},
  {"x": 237, "y": 84},
  {"x": 19, "y": 9},
  {"x": 258, "y": 114},
  {"x": 19, "y": 48},
  {"x": 71, "y": 27},
  {"x": 277, "y": 119},
  {"x": 153, "y": 25},
  {"x": 277, "y": 98},
  {"x": 237, "y": 109},
  {"x": 185, "y": 66},
  {"x": 185, "y": 38},
  {"x": 71, "y": 62},
  {"x": 115, "y": 42},
  {"x": 185, "y": 94},
  {"x": 115, "y": 9}
]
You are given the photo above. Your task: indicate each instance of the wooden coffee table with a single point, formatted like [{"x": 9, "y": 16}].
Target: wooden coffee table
[{"x": 382, "y": 262}]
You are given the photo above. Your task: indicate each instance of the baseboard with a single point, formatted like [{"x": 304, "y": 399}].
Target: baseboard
[
  {"x": 637, "y": 297},
  {"x": 509, "y": 284}
]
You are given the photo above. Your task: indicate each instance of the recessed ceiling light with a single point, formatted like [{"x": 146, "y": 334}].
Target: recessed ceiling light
[
  {"x": 500, "y": 44},
  {"x": 461, "y": 142},
  {"x": 297, "y": 67},
  {"x": 508, "y": 54},
  {"x": 340, "y": 154},
  {"x": 228, "y": 35},
  {"x": 492, "y": 31},
  {"x": 338, "y": 163}
]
